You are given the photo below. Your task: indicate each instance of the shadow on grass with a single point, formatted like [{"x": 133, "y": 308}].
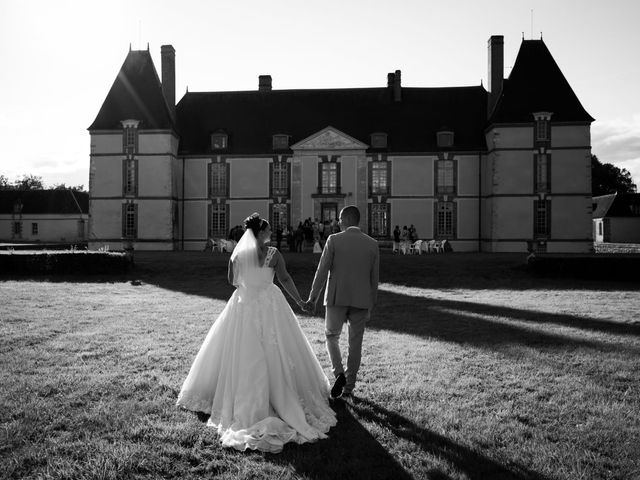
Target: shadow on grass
[
  {"x": 350, "y": 452},
  {"x": 472, "y": 464},
  {"x": 441, "y": 318},
  {"x": 190, "y": 271}
]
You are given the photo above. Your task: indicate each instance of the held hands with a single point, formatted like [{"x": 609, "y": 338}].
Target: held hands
[{"x": 309, "y": 306}]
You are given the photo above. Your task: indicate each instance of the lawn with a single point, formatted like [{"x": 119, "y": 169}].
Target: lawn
[{"x": 472, "y": 369}]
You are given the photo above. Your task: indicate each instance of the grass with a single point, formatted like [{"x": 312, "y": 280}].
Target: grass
[{"x": 472, "y": 369}]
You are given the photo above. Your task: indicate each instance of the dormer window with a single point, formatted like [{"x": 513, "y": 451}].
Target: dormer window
[
  {"x": 543, "y": 129},
  {"x": 378, "y": 140},
  {"x": 280, "y": 142},
  {"x": 445, "y": 138},
  {"x": 219, "y": 141},
  {"x": 130, "y": 136}
]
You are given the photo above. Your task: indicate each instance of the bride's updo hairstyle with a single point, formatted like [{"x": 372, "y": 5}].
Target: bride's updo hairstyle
[{"x": 255, "y": 223}]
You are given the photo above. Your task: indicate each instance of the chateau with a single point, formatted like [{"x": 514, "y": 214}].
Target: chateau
[{"x": 487, "y": 169}]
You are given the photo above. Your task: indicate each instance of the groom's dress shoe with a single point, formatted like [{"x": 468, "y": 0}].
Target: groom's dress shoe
[{"x": 339, "y": 384}]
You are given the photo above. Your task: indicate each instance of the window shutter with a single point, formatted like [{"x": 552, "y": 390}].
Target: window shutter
[
  {"x": 271, "y": 173},
  {"x": 548, "y": 208},
  {"x": 209, "y": 225},
  {"x": 454, "y": 219},
  {"x": 135, "y": 178},
  {"x": 135, "y": 220},
  {"x": 455, "y": 181},
  {"x": 124, "y": 220},
  {"x": 370, "y": 171},
  {"x": 209, "y": 183},
  {"x": 548, "y": 172},
  {"x": 124, "y": 177}
]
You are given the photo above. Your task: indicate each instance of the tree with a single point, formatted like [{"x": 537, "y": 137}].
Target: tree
[
  {"x": 29, "y": 182},
  {"x": 4, "y": 183},
  {"x": 63, "y": 186},
  {"x": 607, "y": 178}
]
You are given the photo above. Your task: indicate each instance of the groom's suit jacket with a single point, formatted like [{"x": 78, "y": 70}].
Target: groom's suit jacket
[{"x": 350, "y": 259}]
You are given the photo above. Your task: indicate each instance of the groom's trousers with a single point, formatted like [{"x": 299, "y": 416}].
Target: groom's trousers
[{"x": 335, "y": 317}]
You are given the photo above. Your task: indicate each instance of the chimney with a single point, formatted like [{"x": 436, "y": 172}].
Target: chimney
[
  {"x": 496, "y": 69},
  {"x": 397, "y": 90},
  {"x": 264, "y": 83},
  {"x": 168, "y": 56},
  {"x": 390, "y": 79}
]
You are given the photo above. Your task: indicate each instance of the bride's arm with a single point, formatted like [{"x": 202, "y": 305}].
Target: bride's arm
[
  {"x": 285, "y": 279},
  {"x": 230, "y": 273}
]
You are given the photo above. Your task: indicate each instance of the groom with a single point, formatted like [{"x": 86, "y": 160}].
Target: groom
[{"x": 350, "y": 260}]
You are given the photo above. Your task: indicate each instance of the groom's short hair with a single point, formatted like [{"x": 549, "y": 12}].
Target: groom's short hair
[{"x": 351, "y": 214}]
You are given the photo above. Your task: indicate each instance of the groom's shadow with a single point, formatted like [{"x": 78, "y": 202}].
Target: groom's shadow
[{"x": 458, "y": 457}]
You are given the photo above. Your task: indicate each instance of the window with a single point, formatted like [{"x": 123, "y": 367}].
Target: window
[
  {"x": 219, "y": 141},
  {"x": 17, "y": 228},
  {"x": 280, "y": 179},
  {"x": 445, "y": 177},
  {"x": 217, "y": 179},
  {"x": 130, "y": 136},
  {"x": 541, "y": 130},
  {"x": 279, "y": 215},
  {"x": 635, "y": 209},
  {"x": 541, "y": 218},
  {"x": 281, "y": 142},
  {"x": 542, "y": 126},
  {"x": 217, "y": 220},
  {"x": 34, "y": 229},
  {"x": 130, "y": 220},
  {"x": 329, "y": 177},
  {"x": 329, "y": 212},
  {"x": 81, "y": 229},
  {"x": 445, "y": 139},
  {"x": 445, "y": 219},
  {"x": 130, "y": 176},
  {"x": 379, "y": 225},
  {"x": 379, "y": 178},
  {"x": 378, "y": 140},
  {"x": 543, "y": 174},
  {"x": 600, "y": 228}
]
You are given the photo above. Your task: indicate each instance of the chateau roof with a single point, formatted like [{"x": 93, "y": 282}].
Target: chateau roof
[
  {"x": 251, "y": 118},
  {"x": 45, "y": 201},
  {"x": 615, "y": 205},
  {"x": 136, "y": 94},
  {"x": 536, "y": 84}
]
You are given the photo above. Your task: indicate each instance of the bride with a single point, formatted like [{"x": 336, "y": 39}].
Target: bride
[{"x": 256, "y": 374}]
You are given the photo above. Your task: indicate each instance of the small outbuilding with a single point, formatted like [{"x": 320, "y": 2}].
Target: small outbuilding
[
  {"x": 43, "y": 216},
  {"x": 616, "y": 218}
]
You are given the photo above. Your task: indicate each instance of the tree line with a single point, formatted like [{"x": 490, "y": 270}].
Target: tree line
[
  {"x": 605, "y": 178},
  {"x": 34, "y": 182}
]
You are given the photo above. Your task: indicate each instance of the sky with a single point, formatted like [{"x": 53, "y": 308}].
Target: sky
[{"x": 60, "y": 58}]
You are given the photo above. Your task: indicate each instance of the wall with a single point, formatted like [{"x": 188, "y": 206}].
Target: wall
[
  {"x": 625, "y": 229},
  {"x": 51, "y": 228}
]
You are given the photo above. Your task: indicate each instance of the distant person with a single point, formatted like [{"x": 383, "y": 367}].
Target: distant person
[
  {"x": 396, "y": 239},
  {"x": 404, "y": 239},
  {"x": 256, "y": 374}
]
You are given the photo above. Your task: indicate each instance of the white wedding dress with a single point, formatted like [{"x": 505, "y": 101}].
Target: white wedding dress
[{"x": 256, "y": 374}]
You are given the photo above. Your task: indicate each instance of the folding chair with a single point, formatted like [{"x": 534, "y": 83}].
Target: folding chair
[{"x": 415, "y": 247}]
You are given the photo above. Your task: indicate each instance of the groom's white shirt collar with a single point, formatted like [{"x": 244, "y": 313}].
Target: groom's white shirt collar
[{"x": 353, "y": 228}]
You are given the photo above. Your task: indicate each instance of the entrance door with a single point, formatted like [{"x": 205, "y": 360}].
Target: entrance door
[{"x": 329, "y": 212}]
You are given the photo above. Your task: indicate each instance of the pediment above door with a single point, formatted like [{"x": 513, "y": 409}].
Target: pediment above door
[{"x": 329, "y": 139}]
